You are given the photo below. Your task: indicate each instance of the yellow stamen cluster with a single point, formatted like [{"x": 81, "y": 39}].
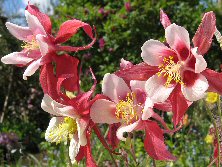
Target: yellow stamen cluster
[
  {"x": 209, "y": 139},
  {"x": 212, "y": 97},
  {"x": 171, "y": 70},
  {"x": 33, "y": 45},
  {"x": 126, "y": 110},
  {"x": 63, "y": 131}
]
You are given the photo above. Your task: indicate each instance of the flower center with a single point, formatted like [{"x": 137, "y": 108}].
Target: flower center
[
  {"x": 33, "y": 45},
  {"x": 63, "y": 131},
  {"x": 170, "y": 70},
  {"x": 126, "y": 110}
]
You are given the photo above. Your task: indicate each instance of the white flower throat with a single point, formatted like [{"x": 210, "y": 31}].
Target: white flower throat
[
  {"x": 32, "y": 45},
  {"x": 171, "y": 71},
  {"x": 63, "y": 131},
  {"x": 127, "y": 110}
]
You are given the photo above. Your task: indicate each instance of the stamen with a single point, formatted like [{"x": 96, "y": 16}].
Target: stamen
[
  {"x": 171, "y": 70},
  {"x": 33, "y": 45},
  {"x": 63, "y": 131},
  {"x": 126, "y": 110}
]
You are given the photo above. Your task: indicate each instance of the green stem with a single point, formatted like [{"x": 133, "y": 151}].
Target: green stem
[
  {"x": 217, "y": 134},
  {"x": 69, "y": 160},
  {"x": 154, "y": 163},
  {"x": 219, "y": 108}
]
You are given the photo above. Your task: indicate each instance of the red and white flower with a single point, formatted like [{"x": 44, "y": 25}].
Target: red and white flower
[
  {"x": 39, "y": 42},
  {"x": 66, "y": 125},
  {"x": 129, "y": 106},
  {"x": 178, "y": 63}
]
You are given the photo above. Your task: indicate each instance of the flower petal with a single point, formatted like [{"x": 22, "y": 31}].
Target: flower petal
[
  {"x": 214, "y": 80},
  {"x": 43, "y": 46},
  {"x": 54, "y": 123},
  {"x": 74, "y": 148},
  {"x": 81, "y": 127},
  {"x": 126, "y": 128},
  {"x": 200, "y": 64},
  {"x": 16, "y": 58},
  {"x": 114, "y": 87},
  {"x": 154, "y": 142},
  {"x": 19, "y": 32},
  {"x": 156, "y": 90},
  {"x": 178, "y": 39},
  {"x": 148, "y": 109},
  {"x": 103, "y": 111},
  {"x": 164, "y": 19},
  {"x": 197, "y": 90},
  {"x": 203, "y": 37},
  {"x": 46, "y": 105},
  {"x": 51, "y": 106},
  {"x": 134, "y": 84},
  {"x": 31, "y": 69},
  {"x": 124, "y": 64},
  {"x": 154, "y": 51},
  {"x": 34, "y": 25},
  {"x": 43, "y": 18}
]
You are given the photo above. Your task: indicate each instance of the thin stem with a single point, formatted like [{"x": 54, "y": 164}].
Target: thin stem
[
  {"x": 154, "y": 163},
  {"x": 217, "y": 133},
  {"x": 110, "y": 153},
  {"x": 69, "y": 160},
  {"x": 101, "y": 152},
  {"x": 219, "y": 108}
]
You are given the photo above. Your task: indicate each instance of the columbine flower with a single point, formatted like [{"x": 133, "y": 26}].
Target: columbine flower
[
  {"x": 38, "y": 41},
  {"x": 179, "y": 64},
  {"x": 180, "y": 70},
  {"x": 128, "y": 106},
  {"x": 34, "y": 46},
  {"x": 67, "y": 125}
]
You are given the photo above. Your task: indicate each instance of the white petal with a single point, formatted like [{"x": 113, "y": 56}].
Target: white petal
[
  {"x": 177, "y": 36},
  {"x": 43, "y": 45},
  {"x": 134, "y": 84},
  {"x": 16, "y": 58},
  {"x": 81, "y": 127},
  {"x": 19, "y": 32},
  {"x": 197, "y": 90},
  {"x": 125, "y": 128},
  {"x": 103, "y": 111},
  {"x": 34, "y": 24},
  {"x": 154, "y": 51},
  {"x": 148, "y": 109},
  {"x": 156, "y": 90},
  {"x": 114, "y": 87},
  {"x": 31, "y": 69},
  {"x": 200, "y": 64},
  {"x": 73, "y": 149},
  {"x": 51, "y": 106},
  {"x": 54, "y": 123},
  {"x": 47, "y": 105}
]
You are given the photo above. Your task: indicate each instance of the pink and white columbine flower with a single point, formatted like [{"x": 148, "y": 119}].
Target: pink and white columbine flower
[
  {"x": 178, "y": 64},
  {"x": 39, "y": 44},
  {"x": 33, "y": 36},
  {"x": 66, "y": 125},
  {"x": 128, "y": 106}
]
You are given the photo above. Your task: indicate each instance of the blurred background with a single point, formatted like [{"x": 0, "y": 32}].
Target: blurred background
[{"x": 122, "y": 28}]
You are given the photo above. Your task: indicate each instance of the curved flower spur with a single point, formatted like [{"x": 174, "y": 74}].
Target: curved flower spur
[{"x": 39, "y": 42}]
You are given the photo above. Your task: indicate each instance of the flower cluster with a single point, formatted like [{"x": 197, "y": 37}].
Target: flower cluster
[{"x": 173, "y": 75}]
